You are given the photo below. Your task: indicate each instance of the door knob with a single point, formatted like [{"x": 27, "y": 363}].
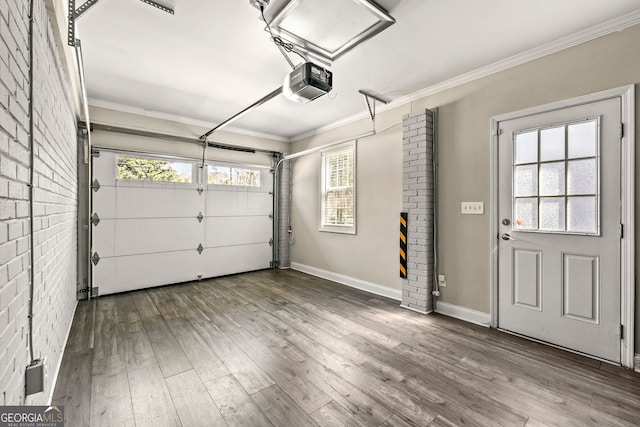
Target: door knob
[{"x": 506, "y": 236}]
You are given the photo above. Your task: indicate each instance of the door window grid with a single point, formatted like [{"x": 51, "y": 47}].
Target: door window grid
[{"x": 556, "y": 179}]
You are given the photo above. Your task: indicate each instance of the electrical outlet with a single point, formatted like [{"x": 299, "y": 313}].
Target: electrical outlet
[
  {"x": 472, "y": 208},
  {"x": 442, "y": 281}
]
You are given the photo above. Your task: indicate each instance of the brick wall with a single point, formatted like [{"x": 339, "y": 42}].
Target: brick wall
[
  {"x": 417, "y": 201},
  {"x": 55, "y": 201},
  {"x": 283, "y": 212}
]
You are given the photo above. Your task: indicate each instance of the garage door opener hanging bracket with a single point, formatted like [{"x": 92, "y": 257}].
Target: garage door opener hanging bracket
[{"x": 370, "y": 99}]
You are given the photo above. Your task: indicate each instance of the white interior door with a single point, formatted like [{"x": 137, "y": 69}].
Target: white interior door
[{"x": 559, "y": 232}]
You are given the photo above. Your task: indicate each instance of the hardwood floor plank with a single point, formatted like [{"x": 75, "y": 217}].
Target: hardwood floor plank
[
  {"x": 247, "y": 373},
  {"x": 208, "y": 366},
  {"x": 313, "y": 330},
  {"x": 214, "y": 313},
  {"x": 626, "y": 409},
  {"x": 396, "y": 421},
  {"x": 107, "y": 339},
  {"x": 440, "y": 421},
  {"x": 280, "y": 408},
  {"x": 346, "y": 324},
  {"x": 169, "y": 353},
  {"x": 145, "y": 305},
  {"x": 235, "y": 405},
  {"x": 279, "y": 347},
  {"x": 164, "y": 303},
  {"x": 81, "y": 336},
  {"x": 192, "y": 401},
  {"x": 455, "y": 401},
  {"x": 136, "y": 346},
  {"x": 359, "y": 404},
  {"x": 73, "y": 389},
  {"x": 152, "y": 403},
  {"x": 126, "y": 309},
  {"x": 334, "y": 415},
  {"x": 393, "y": 398},
  {"x": 185, "y": 306},
  {"x": 111, "y": 403},
  {"x": 283, "y": 347},
  {"x": 301, "y": 390}
]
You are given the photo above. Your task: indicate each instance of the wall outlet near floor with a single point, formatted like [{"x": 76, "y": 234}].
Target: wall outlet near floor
[
  {"x": 472, "y": 208},
  {"x": 442, "y": 281}
]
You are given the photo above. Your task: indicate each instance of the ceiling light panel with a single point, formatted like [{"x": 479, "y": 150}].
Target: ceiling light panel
[{"x": 329, "y": 28}]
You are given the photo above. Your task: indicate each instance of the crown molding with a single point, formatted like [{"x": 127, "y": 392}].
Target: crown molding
[
  {"x": 95, "y": 102},
  {"x": 594, "y": 32}
]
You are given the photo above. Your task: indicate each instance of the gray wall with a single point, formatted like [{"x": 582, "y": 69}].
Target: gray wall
[
  {"x": 464, "y": 115},
  {"x": 55, "y": 197}
]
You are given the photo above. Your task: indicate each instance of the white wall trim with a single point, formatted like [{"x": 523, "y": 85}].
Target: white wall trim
[
  {"x": 415, "y": 309},
  {"x": 94, "y": 102},
  {"x": 363, "y": 285},
  {"x": 463, "y": 313},
  {"x": 637, "y": 363},
  {"x": 64, "y": 346},
  {"x": 591, "y": 33},
  {"x": 627, "y": 246}
]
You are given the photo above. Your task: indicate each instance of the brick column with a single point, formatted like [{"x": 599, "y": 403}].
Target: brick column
[
  {"x": 283, "y": 213},
  {"x": 417, "y": 201}
]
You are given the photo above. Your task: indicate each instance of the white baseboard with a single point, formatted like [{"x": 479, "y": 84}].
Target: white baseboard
[
  {"x": 463, "y": 313},
  {"x": 363, "y": 285},
  {"x": 636, "y": 363},
  {"x": 415, "y": 309}
]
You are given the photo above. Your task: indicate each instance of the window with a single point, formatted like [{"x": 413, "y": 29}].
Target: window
[
  {"x": 136, "y": 168},
  {"x": 229, "y": 175},
  {"x": 556, "y": 179},
  {"x": 338, "y": 192}
]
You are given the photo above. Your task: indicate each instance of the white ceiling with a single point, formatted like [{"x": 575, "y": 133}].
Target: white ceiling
[{"x": 213, "y": 58}]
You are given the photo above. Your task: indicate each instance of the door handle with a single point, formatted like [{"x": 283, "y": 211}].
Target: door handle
[{"x": 506, "y": 236}]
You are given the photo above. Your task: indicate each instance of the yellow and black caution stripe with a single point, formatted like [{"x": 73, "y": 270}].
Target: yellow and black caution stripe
[{"x": 403, "y": 245}]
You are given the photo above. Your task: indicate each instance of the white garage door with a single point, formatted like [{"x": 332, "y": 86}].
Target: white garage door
[{"x": 160, "y": 220}]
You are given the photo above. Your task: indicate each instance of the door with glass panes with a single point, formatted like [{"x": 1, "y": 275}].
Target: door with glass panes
[{"x": 559, "y": 229}]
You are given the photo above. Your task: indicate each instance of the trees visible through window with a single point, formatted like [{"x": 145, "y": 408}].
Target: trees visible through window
[
  {"x": 228, "y": 175},
  {"x": 338, "y": 211},
  {"x": 134, "y": 168}
]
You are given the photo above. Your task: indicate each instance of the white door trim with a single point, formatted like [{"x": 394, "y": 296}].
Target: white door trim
[{"x": 627, "y": 248}]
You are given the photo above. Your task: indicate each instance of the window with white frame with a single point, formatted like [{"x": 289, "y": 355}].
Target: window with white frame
[{"x": 338, "y": 189}]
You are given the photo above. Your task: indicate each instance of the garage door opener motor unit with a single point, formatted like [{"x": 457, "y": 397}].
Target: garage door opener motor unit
[{"x": 307, "y": 82}]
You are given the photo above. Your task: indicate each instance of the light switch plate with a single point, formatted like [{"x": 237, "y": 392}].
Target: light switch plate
[{"x": 472, "y": 208}]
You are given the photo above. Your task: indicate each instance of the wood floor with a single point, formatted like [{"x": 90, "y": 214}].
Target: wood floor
[{"x": 285, "y": 349}]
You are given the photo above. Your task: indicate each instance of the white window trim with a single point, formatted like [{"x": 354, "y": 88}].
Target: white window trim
[{"x": 342, "y": 229}]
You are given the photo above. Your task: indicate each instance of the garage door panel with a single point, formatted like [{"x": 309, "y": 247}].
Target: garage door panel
[
  {"x": 103, "y": 238},
  {"x": 151, "y": 235},
  {"x": 104, "y": 204},
  {"x": 228, "y": 203},
  {"x": 227, "y": 231},
  {"x": 149, "y": 232},
  {"x": 121, "y": 274},
  {"x": 235, "y": 259},
  {"x": 104, "y": 168},
  {"x": 140, "y": 202}
]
